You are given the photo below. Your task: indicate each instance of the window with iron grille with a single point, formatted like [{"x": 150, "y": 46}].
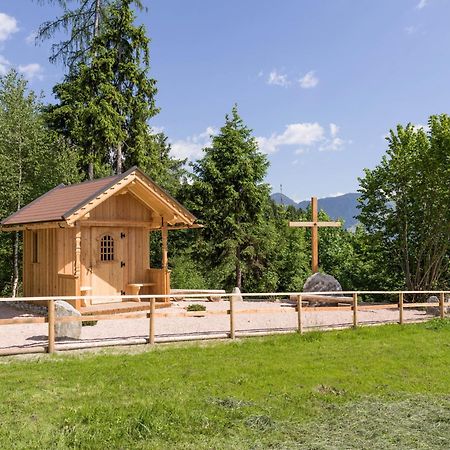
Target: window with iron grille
[{"x": 107, "y": 248}]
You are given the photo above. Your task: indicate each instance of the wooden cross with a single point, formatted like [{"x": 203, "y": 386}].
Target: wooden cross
[{"x": 314, "y": 225}]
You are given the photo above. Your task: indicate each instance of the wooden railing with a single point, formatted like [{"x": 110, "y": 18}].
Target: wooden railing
[{"x": 342, "y": 303}]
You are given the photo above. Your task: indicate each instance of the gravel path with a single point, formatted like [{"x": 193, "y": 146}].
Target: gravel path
[{"x": 34, "y": 336}]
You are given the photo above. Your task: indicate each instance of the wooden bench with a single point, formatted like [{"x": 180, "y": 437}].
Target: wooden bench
[{"x": 135, "y": 288}]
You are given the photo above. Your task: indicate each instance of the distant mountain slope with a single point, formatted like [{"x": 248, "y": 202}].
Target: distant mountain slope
[
  {"x": 282, "y": 199},
  {"x": 342, "y": 206}
]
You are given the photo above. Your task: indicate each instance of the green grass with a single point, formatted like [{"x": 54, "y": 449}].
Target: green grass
[{"x": 376, "y": 387}]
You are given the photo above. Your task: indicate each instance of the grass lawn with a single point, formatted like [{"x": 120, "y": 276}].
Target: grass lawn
[{"x": 374, "y": 387}]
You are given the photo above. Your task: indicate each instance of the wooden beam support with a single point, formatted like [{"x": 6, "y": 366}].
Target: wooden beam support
[
  {"x": 315, "y": 236},
  {"x": 165, "y": 260},
  {"x": 35, "y": 226},
  {"x": 314, "y": 225}
]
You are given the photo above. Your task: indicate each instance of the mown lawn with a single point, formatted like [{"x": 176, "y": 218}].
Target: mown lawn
[{"x": 378, "y": 387}]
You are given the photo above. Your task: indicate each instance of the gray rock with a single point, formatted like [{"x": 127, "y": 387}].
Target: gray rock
[
  {"x": 237, "y": 297},
  {"x": 321, "y": 282},
  {"x": 67, "y": 330},
  {"x": 433, "y": 310}
]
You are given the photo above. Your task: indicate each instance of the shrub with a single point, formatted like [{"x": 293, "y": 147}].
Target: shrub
[{"x": 196, "y": 307}]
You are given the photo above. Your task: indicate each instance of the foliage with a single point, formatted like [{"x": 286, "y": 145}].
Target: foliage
[
  {"x": 105, "y": 104},
  {"x": 230, "y": 197},
  {"x": 405, "y": 204},
  {"x": 246, "y": 394},
  {"x": 33, "y": 160},
  {"x": 186, "y": 273},
  {"x": 196, "y": 307},
  {"x": 83, "y": 23}
]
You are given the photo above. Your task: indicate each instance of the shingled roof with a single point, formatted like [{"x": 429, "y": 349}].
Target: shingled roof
[{"x": 63, "y": 203}]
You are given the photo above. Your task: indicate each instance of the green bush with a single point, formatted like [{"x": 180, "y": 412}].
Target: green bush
[
  {"x": 196, "y": 307},
  {"x": 186, "y": 274}
]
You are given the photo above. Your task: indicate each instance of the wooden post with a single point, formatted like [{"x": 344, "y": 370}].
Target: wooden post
[
  {"x": 51, "y": 326},
  {"x": 355, "y": 310},
  {"x": 315, "y": 236},
  {"x": 400, "y": 308},
  {"x": 164, "y": 261},
  {"x": 441, "y": 305},
  {"x": 77, "y": 268},
  {"x": 232, "y": 331},
  {"x": 151, "y": 338},
  {"x": 299, "y": 315}
]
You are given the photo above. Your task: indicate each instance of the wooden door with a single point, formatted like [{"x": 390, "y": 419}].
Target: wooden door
[{"x": 109, "y": 262}]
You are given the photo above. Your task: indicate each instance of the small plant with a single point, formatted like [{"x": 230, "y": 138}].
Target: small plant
[{"x": 196, "y": 307}]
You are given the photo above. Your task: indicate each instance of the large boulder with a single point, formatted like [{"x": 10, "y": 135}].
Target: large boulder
[
  {"x": 434, "y": 310},
  {"x": 67, "y": 330},
  {"x": 321, "y": 282},
  {"x": 237, "y": 297}
]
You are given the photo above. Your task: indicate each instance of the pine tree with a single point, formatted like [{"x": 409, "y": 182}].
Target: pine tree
[{"x": 231, "y": 198}]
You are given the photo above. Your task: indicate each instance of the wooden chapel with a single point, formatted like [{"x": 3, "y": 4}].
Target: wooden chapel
[{"x": 92, "y": 238}]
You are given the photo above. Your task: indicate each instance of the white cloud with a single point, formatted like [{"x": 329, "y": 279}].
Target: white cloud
[
  {"x": 156, "y": 129},
  {"x": 32, "y": 70},
  {"x": 294, "y": 134},
  {"x": 278, "y": 79},
  {"x": 422, "y": 4},
  {"x": 4, "y": 65},
  {"x": 334, "y": 129},
  {"x": 309, "y": 80},
  {"x": 332, "y": 145},
  {"x": 301, "y": 135},
  {"x": 31, "y": 38},
  {"x": 8, "y": 26},
  {"x": 336, "y": 194},
  {"x": 192, "y": 146}
]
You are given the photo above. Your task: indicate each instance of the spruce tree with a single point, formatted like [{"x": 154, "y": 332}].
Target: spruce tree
[
  {"x": 105, "y": 104},
  {"x": 230, "y": 197}
]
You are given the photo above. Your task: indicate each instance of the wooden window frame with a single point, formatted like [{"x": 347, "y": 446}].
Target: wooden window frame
[
  {"x": 106, "y": 249},
  {"x": 34, "y": 247}
]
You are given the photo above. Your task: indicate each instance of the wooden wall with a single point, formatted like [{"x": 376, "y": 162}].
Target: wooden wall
[
  {"x": 121, "y": 207},
  {"x": 51, "y": 271}
]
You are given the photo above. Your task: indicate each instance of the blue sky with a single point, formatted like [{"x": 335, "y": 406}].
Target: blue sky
[{"x": 320, "y": 82}]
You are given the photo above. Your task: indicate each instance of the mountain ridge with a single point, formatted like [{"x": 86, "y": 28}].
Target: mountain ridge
[{"x": 339, "y": 207}]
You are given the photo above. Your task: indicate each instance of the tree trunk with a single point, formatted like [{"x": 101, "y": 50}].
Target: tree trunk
[
  {"x": 90, "y": 171},
  {"x": 238, "y": 269},
  {"x": 15, "y": 276},
  {"x": 119, "y": 158},
  {"x": 15, "y": 279},
  {"x": 97, "y": 18}
]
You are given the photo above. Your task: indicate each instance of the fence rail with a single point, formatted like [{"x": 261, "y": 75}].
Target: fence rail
[{"x": 341, "y": 303}]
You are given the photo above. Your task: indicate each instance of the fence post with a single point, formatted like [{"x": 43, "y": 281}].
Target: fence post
[
  {"x": 441, "y": 305},
  {"x": 299, "y": 314},
  {"x": 400, "y": 307},
  {"x": 355, "y": 310},
  {"x": 232, "y": 331},
  {"x": 151, "y": 337},
  {"x": 51, "y": 326}
]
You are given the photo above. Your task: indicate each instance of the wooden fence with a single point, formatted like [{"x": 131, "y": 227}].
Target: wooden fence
[{"x": 350, "y": 303}]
